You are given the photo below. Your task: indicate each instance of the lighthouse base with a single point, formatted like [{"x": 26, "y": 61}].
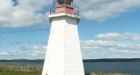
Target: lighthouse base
[{"x": 63, "y": 55}]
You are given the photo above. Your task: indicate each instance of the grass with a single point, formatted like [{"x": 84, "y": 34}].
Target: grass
[
  {"x": 19, "y": 71},
  {"x": 10, "y": 70},
  {"x": 101, "y": 73}
]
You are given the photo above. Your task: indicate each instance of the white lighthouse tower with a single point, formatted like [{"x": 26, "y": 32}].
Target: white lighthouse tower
[{"x": 63, "y": 56}]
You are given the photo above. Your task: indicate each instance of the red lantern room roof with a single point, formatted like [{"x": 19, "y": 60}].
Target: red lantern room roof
[{"x": 65, "y": 6}]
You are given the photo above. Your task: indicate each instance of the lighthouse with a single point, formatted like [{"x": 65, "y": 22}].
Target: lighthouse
[{"x": 63, "y": 55}]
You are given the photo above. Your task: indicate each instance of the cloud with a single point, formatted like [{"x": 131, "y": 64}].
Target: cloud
[
  {"x": 112, "y": 45},
  {"x": 101, "y": 10},
  {"x": 2, "y": 53},
  {"x": 35, "y": 50},
  {"x": 104, "y": 45},
  {"x": 109, "y": 36},
  {"x": 18, "y": 13},
  {"x": 25, "y": 13},
  {"x": 119, "y": 36},
  {"x": 23, "y": 50}
]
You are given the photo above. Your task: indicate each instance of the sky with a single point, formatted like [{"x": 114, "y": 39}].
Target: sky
[{"x": 107, "y": 29}]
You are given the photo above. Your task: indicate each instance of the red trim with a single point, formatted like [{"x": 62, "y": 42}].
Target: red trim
[{"x": 65, "y": 9}]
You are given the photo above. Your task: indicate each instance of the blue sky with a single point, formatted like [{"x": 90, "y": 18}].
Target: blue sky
[{"x": 108, "y": 29}]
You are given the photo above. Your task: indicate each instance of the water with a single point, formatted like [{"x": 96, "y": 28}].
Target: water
[{"x": 131, "y": 67}]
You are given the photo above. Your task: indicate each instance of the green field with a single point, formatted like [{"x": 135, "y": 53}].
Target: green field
[
  {"x": 38, "y": 73},
  {"x": 18, "y": 73},
  {"x": 33, "y": 71},
  {"x": 10, "y": 72},
  {"x": 101, "y": 73}
]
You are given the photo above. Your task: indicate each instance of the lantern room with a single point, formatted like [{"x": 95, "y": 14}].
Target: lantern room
[
  {"x": 64, "y": 6},
  {"x": 64, "y": 2}
]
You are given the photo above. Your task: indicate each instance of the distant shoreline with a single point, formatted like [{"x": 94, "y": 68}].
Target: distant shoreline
[
  {"x": 117, "y": 65},
  {"x": 85, "y": 60},
  {"x": 114, "y": 60}
]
